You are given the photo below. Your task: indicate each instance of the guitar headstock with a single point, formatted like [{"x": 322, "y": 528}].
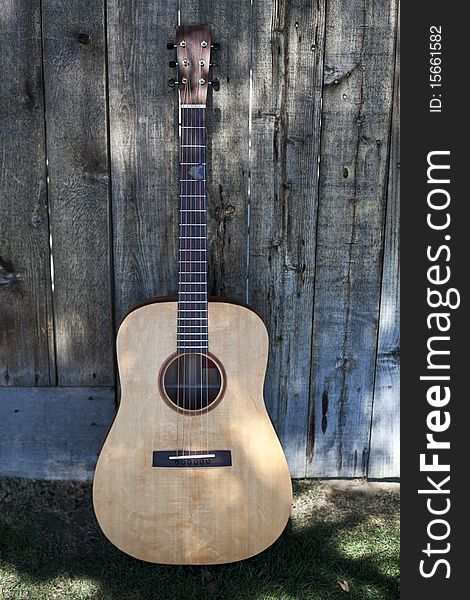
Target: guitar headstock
[{"x": 193, "y": 62}]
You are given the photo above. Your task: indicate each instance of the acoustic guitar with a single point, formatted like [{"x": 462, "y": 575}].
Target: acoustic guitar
[{"x": 191, "y": 471}]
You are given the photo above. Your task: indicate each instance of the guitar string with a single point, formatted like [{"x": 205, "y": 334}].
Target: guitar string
[
  {"x": 181, "y": 389},
  {"x": 181, "y": 269},
  {"x": 185, "y": 202},
  {"x": 201, "y": 204},
  {"x": 178, "y": 307},
  {"x": 192, "y": 254},
  {"x": 206, "y": 360},
  {"x": 196, "y": 244},
  {"x": 204, "y": 380},
  {"x": 184, "y": 261}
]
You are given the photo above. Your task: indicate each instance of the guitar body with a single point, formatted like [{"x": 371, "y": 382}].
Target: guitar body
[{"x": 192, "y": 514}]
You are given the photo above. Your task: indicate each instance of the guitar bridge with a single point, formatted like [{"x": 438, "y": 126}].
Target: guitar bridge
[{"x": 195, "y": 458}]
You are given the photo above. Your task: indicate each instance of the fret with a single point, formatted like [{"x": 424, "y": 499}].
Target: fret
[
  {"x": 197, "y": 203},
  {"x": 199, "y": 333},
  {"x": 192, "y": 347},
  {"x": 195, "y": 319},
  {"x": 193, "y": 180},
  {"x": 193, "y": 250},
  {"x": 193, "y": 127},
  {"x": 193, "y": 163}
]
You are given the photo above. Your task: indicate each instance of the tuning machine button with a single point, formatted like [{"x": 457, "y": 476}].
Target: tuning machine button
[
  {"x": 215, "y": 83},
  {"x": 173, "y": 64},
  {"x": 214, "y": 64},
  {"x": 171, "y": 46},
  {"x": 172, "y": 82},
  {"x": 215, "y": 46}
]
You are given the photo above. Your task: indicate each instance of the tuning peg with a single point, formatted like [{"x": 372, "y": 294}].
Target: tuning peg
[
  {"x": 172, "y": 64},
  {"x": 215, "y": 46},
  {"x": 215, "y": 83},
  {"x": 172, "y": 82},
  {"x": 171, "y": 46},
  {"x": 213, "y": 65}
]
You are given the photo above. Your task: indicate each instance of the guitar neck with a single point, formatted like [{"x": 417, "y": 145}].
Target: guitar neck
[{"x": 192, "y": 281}]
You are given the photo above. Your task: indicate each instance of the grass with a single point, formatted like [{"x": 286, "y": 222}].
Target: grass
[{"x": 52, "y": 549}]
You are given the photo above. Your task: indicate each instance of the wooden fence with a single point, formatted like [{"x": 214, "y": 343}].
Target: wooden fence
[{"x": 303, "y": 215}]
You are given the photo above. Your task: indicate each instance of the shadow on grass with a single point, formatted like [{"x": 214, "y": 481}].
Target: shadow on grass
[{"x": 48, "y": 532}]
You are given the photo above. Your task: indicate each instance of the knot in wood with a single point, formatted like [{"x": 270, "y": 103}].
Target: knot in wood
[
  {"x": 229, "y": 210},
  {"x": 83, "y": 38}
]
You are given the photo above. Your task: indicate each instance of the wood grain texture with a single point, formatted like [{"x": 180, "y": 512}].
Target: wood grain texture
[
  {"x": 227, "y": 143},
  {"x": 26, "y": 348},
  {"x": 143, "y": 132},
  {"x": 74, "y": 68},
  {"x": 53, "y": 433},
  {"x": 384, "y": 458},
  {"x": 192, "y": 515},
  {"x": 357, "y": 102},
  {"x": 287, "y": 87}
]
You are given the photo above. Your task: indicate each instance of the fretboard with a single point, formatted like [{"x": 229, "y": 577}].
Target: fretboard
[{"x": 192, "y": 286}]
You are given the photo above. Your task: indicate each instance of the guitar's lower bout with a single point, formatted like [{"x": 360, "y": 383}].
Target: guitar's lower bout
[{"x": 192, "y": 514}]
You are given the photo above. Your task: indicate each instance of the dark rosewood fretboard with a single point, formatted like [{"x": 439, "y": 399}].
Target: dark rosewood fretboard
[{"x": 192, "y": 286}]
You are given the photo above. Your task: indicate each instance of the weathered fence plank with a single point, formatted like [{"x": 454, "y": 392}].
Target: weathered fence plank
[
  {"x": 384, "y": 458},
  {"x": 53, "y": 433},
  {"x": 287, "y": 87},
  {"x": 26, "y": 346},
  {"x": 74, "y": 70},
  {"x": 227, "y": 142},
  {"x": 144, "y": 162},
  {"x": 357, "y": 100}
]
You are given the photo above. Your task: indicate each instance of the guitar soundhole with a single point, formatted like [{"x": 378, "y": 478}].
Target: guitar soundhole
[{"x": 192, "y": 382}]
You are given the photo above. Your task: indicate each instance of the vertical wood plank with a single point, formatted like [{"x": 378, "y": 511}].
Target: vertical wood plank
[
  {"x": 287, "y": 87},
  {"x": 384, "y": 459},
  {"x": 143, "y": 151},
  {"x": 26, "y": 351},
  {"x": 227, "y": 142},
  {"x": 357, "y": 101},
  {"x": 74, "y": 68}
]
